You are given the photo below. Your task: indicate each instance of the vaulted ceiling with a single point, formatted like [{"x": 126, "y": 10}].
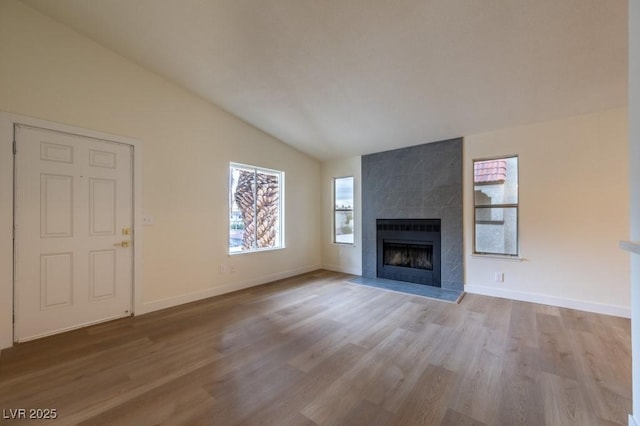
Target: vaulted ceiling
[{"x": 350, "y": 77}]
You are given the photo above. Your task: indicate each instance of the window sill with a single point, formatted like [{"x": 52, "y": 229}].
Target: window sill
[
  {"x": 235, "y": 253},
  {"x": 499, "y": 257},
  {"x": 630, "y": 246}
]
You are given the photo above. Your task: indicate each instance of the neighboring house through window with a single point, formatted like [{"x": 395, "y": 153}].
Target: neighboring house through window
[
  {"x": 495, "y": 188},
  {"x": 255, "y": 213},
  {"x": 343, "y": 210}
]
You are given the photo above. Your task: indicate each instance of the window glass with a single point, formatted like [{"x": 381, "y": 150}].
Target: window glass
[
  {"x": 343, "y": 210},
  {"x": 255, "y": 214},
  {"x": 497, "y": 230},
  {"x": 495, "y": 184}
]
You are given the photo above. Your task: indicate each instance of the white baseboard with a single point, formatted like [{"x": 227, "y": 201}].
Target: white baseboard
[
  {"x": 582, "y": 305},
  {"x": 632, "y": 421},
  {"x": 343, "y": 269},
  {"x": 170, "y": 302}
]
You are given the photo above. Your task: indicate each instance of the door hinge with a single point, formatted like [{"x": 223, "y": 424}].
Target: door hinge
[{"x": 15, "y": 147}]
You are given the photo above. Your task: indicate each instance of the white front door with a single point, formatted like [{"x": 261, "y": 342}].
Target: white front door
[{"x": 73, "y": 218}]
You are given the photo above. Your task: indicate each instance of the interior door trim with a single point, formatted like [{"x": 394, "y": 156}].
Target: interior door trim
[{"x": 7, "y": 207}]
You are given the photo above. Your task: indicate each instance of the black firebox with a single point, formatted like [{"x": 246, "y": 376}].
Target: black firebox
[{"x": 409, "y": 250}]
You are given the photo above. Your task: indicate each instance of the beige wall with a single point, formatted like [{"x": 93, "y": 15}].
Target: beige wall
[
  {"x": 634, "y": 192},
  {"x": 341, "y": 257},
  {"x": 50, "y": 72},
  {"x": 573, "y": 212},
  {"x": 574, "y": 209}
]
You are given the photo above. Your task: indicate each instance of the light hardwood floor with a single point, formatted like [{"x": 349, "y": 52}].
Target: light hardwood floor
[{"x": 314, "y": 350}]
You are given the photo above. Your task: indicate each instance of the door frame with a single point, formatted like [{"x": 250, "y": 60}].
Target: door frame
[{"x": 7, "y": 209}]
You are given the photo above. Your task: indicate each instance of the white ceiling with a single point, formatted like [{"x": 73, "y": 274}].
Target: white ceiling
[{"x": 338, "y": 78}]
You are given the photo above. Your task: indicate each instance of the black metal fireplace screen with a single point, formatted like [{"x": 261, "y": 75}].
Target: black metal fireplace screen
[
  {"x": 419, "y": 256},
  {"x": 409, "y": 250}
]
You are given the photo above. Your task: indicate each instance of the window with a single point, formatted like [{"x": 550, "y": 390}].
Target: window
[
  {"x": 343, "y": 210},
  {"x": 495, "y": 189},
  {"x": 255, "y": 212}
]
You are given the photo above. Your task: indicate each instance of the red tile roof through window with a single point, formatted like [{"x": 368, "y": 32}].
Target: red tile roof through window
[{"x": 490, "y": 171}]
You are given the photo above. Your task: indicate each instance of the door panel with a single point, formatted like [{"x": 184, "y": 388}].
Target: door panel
[
  {"x": 56, "y": 280},
  {"x": 102, "y": 271},
  {"x": 56, "y": 206},
  {"x": 102, "y": 206},
  {"x": 54, "y": 152},
  {"x": 73, "y": 206}
]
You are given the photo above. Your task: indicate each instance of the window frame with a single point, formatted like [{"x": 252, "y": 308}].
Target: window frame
[
  {"x": 515, "y": 206},
  {"x": 335, "y": 209},
  {"x": 281, "y": 213}
]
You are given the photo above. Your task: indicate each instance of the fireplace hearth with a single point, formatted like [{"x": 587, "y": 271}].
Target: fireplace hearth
[{"x": 409, "y": 250}]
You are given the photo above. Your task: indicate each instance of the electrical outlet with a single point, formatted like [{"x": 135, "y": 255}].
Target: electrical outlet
[
  {"x": 148, "y": 220},
  {"x": 499, "y": 277}
]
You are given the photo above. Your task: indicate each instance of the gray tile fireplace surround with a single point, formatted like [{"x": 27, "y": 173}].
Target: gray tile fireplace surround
[{"x": 419, "y": 182}]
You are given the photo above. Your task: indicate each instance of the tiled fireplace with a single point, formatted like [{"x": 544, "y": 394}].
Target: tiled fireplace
[{"x": 420, "y": 185}]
